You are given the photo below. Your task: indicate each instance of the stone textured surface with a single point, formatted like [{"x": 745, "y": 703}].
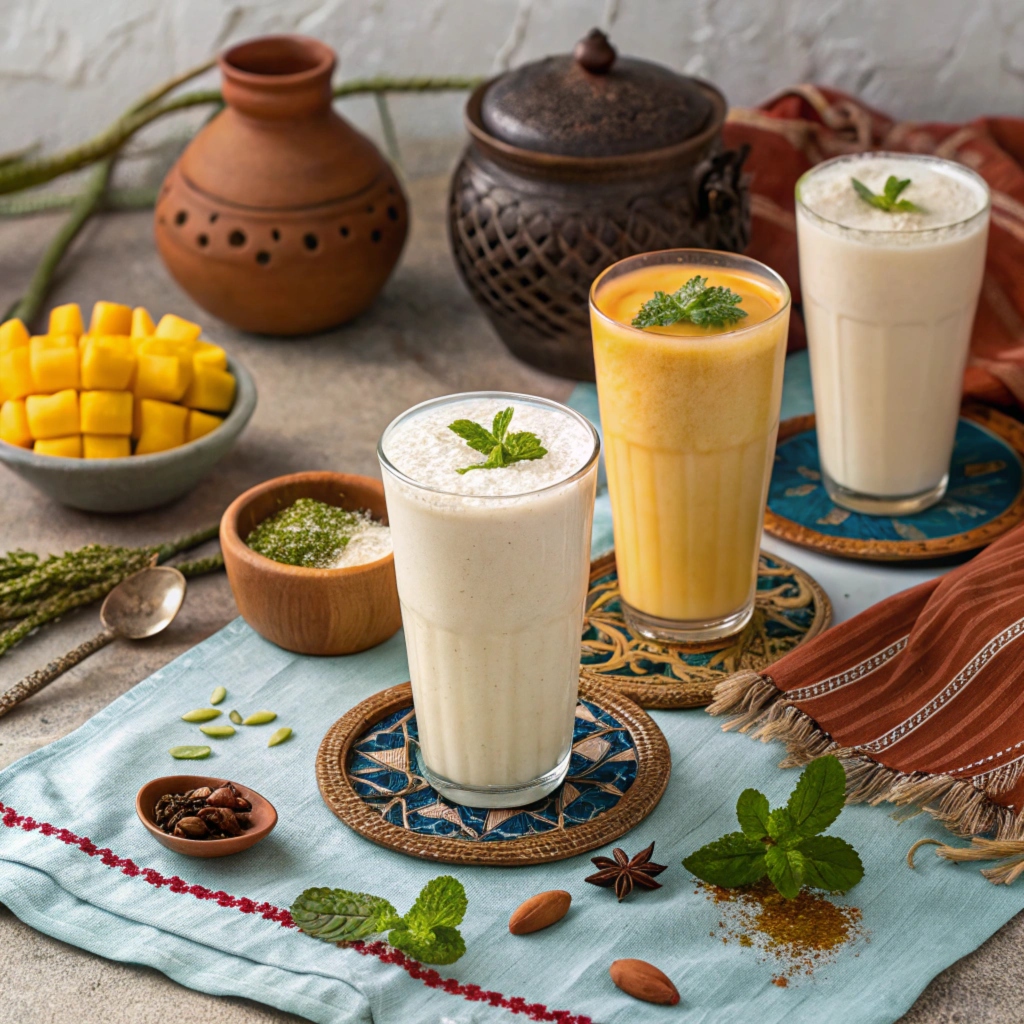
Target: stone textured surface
[
  {"x": 323, "y": 403},
  {"x": 66, "y": 70}
]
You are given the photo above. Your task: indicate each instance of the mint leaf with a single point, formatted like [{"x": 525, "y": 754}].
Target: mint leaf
[
  {"x": 752, "y": 813},
  {"x": 819, "y": 797},
  {"x": 733, "y": 860},
  {"x": 500, "y": 447},
  {"x": 693, "y": 302},
  {"x": 781, "y": 829},
  {"x": 445, "y": 948},
  {"x": 830, "y": 863},
  {"x": 889, "y": 199},
  {"x": 478, "y": 438},
  {"x": 337, "y": 915},
  {"x": 441, "y": 903},
  {"x": 786, "y": 870}
]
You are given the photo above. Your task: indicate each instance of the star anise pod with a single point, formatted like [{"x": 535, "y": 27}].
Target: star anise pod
[{"x": 622, "y": 873}]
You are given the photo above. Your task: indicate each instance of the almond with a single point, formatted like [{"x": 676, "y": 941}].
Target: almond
[
  {"x": 539, "y": 911},
  {"x": 642, "y": 980}
]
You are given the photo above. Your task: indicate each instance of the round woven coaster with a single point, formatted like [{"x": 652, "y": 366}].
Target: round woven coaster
[
  {"x": 790, "y": 609},
  {"x": 367, "y": 764},
  {"x": 985, "y": 496}
]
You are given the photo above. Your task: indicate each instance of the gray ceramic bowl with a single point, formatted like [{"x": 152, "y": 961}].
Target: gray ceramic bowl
[{"x": 139, "y": 482}]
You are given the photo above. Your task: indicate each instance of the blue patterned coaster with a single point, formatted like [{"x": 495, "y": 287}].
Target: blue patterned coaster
[
  {"x": 984, "y": 500},
  {"x": 790, "y": 609},
  {"x": 370, "y": 775}
]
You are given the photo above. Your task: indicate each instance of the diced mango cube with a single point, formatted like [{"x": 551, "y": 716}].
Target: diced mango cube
[
  {"x": 210, "y": 355},
  {"x": 66, "y": 319},
  {"x": 53, "y": 415},
  {"x": 200, "y": 423},
  {"x": 142, "y": 323},
  {"x": 172, "y": 326},
  {"x": 13, "y": 334},
  {"x": 54, "y": 362},
  {"x": 68, "y": 447},
  {"x": 164, "y": 378},
  {"x": 97, "y": 446},
  {"x": 110, "y": 318},
  {"x": 211, "y": 390},
  {"x": 108, "y": 364},
  {"x": 14, "y": 423},
  {"x": 162, "y": 426},
  {"x": 16, "y": 373},
  {"x": 106, "y": 412}
]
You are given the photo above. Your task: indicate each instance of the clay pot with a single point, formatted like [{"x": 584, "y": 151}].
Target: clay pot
[{"x": 280, "y": 217}]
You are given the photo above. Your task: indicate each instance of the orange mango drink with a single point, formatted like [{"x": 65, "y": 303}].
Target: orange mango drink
[{"x": 690, "y": 414}]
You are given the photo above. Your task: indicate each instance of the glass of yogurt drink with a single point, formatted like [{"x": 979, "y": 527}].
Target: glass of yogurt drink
[
  {"x": 493, "y": 567},
  {"x": 689, "y": 415},
  {"x": 889, "y": 296}
]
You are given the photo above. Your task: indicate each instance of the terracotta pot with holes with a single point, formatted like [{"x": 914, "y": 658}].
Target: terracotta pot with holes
[{"x": 280, "y": 217}]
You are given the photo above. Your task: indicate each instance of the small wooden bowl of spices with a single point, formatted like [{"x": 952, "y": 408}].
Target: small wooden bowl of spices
[
  {"x": 202, "y": 816},
  {"x": 308, "y": 557}
]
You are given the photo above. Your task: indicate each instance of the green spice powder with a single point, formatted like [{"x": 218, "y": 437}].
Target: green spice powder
[{"x": 309, "y": 533}]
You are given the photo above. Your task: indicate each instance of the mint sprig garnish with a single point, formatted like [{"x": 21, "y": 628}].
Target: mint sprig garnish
[
  {"x": 500, "y": 447},
  {"x": 695, "y": 303},
  {"x": 889, "y": 200},
  {"x": 428, "y": 933},
  {"x": 784, "y": 843}
]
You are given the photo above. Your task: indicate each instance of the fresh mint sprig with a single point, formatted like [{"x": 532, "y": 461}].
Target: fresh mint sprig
[
  {"x": 695, "y": 303},
  {"x": 428, "y": 933},
  {"x": 500, "y": 447},
  {"x": 889, "y": 200},
  {"x": 784, "y": 843}
]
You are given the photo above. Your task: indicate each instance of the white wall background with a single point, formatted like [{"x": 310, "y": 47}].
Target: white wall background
[{"x": 69, "y": 67}]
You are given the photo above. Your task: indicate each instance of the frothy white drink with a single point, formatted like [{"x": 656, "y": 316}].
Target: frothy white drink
[
  {"x": 889, "y": 301},
  {"x": 492, "y": 569}
]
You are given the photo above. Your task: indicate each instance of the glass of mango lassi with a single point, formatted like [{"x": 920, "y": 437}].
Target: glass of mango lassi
[{"x": 690, "y": 414}]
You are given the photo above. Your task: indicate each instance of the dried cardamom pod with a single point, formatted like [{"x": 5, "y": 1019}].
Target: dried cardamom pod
[
  {"x": 191, "y": 828},
  {"x": 235, "y": 717},
  {"x": 217, "y": 731},
  {"x": 222, "y": 818},
  {"x": 259, "y": 717},
  {"x": 201, "y": 715},
  {"x": 279, "y": 737},
  {"x": 190, "y": 753},
  {"x": 218, "y": 695}
]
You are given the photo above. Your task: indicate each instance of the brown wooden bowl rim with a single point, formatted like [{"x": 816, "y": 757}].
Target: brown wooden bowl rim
[
  {"x": 231, "y": 539},
  {"x": 254, "y": 835}
]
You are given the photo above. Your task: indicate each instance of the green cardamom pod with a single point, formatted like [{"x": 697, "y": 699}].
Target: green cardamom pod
[
  {"x": 218, "y": 695},
  {"x": 189, "y": 753},
  {"x": 279, "y": 737},
  {"x": 259, "y": 717},
  {"x": 201, "y": 715},
  {"x": 219, "y": 731},
  {"x": 235, "y": 717}
]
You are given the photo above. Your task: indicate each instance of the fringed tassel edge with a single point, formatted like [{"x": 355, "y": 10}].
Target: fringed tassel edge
[{"x": 755, "y": 706}]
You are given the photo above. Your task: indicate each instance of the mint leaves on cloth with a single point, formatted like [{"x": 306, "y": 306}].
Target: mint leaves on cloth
[
  {"x": 428, "y": 933},
  {"x": 785, "y": 844}
]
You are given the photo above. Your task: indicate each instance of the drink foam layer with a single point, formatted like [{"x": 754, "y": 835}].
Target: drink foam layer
[
  {"x": 946, "y": 194},
  {"x": 423, "y": 448}
]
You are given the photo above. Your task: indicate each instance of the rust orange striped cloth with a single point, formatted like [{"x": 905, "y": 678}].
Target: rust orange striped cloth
[{"x": 921, "y": 696}]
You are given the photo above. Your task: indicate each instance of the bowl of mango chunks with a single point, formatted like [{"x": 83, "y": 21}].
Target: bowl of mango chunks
[{"x": 123, "y": 416}]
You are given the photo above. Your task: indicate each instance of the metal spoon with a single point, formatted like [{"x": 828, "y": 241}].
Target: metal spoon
[{"x": 142, "y": 605}]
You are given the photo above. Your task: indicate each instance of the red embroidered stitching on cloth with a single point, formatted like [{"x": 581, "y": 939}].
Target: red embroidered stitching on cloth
[{"x": 381, "y": 950}]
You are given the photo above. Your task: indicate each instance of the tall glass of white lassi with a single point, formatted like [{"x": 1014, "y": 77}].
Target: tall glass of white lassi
[
  {"x": 492, "y": 554},
  {"x": 892, "y": 252}
]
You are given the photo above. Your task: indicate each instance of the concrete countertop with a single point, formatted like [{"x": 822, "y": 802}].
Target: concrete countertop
[{"x": 323, "y": 402}]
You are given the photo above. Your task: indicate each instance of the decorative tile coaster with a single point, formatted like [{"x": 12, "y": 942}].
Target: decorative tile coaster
[
  {"x": 368, "y": 773},
  {"x": 790, "y": 608},
  {"x": 984, "y": 500}
]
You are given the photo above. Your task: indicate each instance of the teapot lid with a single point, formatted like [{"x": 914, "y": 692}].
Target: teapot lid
[{"x": 593, "y": 104}]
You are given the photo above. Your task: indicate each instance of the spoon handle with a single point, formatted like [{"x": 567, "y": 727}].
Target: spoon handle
[{"x": 34, "y": 682}]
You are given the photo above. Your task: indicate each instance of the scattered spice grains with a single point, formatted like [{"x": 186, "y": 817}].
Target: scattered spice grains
[{"x": 798, "y": 935}]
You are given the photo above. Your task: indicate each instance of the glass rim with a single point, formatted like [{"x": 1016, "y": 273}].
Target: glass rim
[
  {"x": 851, "y": 158},
  {"x": 461, "y": 396},
  {"x": 774, "y": 276}
]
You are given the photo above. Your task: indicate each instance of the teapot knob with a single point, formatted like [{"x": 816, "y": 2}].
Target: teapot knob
[{"x": 594, "y": 53}]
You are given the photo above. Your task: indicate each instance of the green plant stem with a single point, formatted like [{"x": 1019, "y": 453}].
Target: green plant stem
[
  {"x": 85, "y": 206},
  {"x": 49, "y": 202},
  {"x": 201, "y": 566},
  {"x": 27, "y": 173},
  {"x": 186, "y": 543}
]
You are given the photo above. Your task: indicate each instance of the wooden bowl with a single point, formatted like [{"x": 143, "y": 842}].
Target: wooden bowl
[
  {"x": 263, "y": 815},
  {"x": 311, "y": 611}
]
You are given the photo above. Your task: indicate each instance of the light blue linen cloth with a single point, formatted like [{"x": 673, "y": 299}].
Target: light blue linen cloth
[{"x": 918, "y": 922}]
